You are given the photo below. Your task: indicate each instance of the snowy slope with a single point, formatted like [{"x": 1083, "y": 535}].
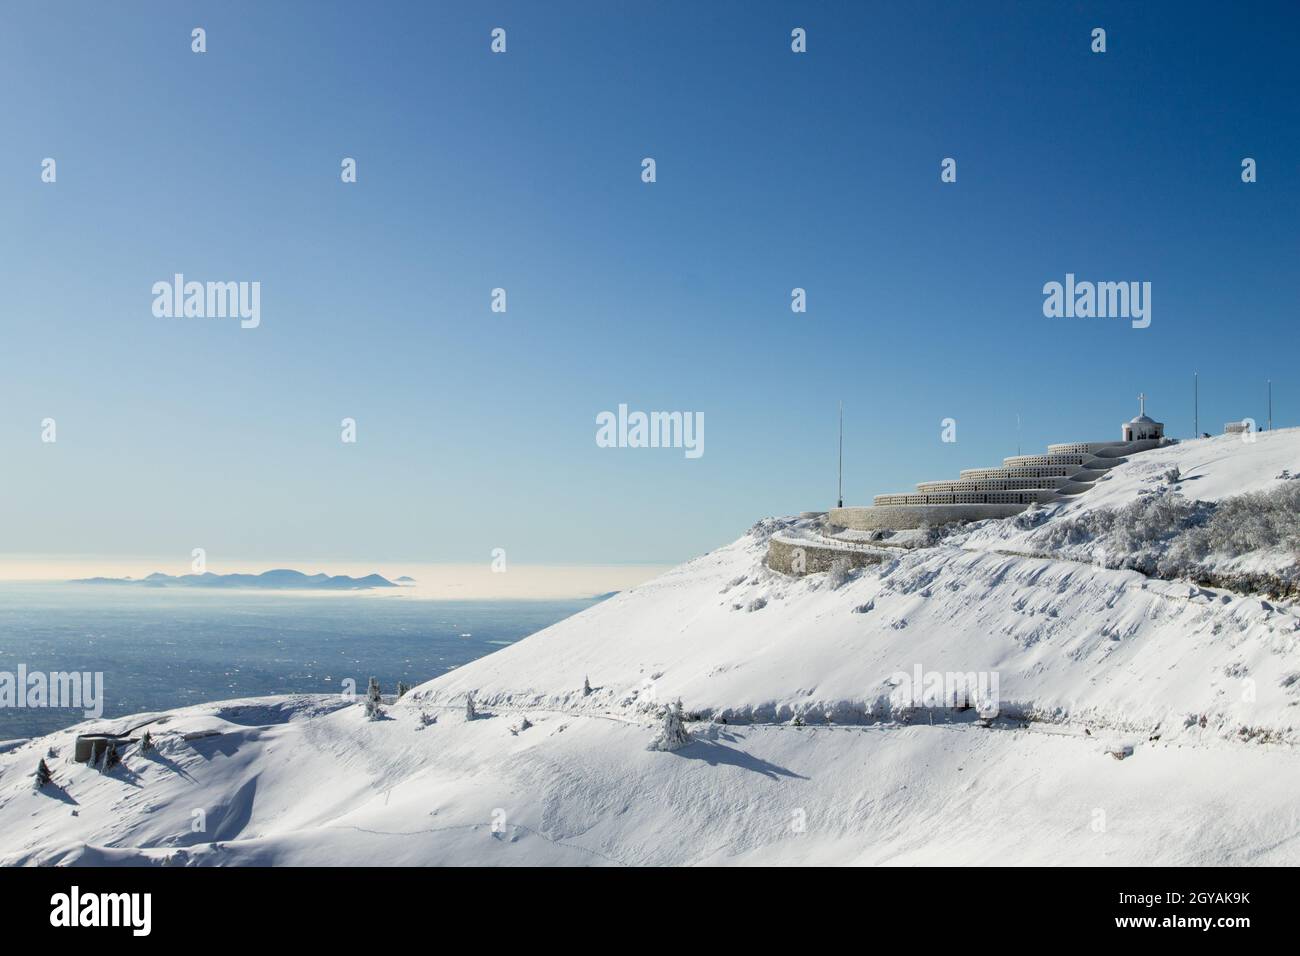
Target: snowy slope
[
  {"x": 1199, "y": 685},
  {"x": 1214, "y": 468},
  {"x": 1208, "y": 470}
]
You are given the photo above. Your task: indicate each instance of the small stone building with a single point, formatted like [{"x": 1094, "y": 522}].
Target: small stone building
[{"x": 89, "y": 748}]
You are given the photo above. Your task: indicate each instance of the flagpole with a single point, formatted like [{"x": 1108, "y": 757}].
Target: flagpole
[{"x": 841, "y": 472}]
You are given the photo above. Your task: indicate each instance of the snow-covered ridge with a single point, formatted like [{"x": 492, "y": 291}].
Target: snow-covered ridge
[
  {"x": 738, "y": 641},
  {"x": 1078, "y": 641},
  {"x": 1197, "y": 688}
]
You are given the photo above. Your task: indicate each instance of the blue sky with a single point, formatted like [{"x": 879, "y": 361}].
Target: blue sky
[{"x": 775, "y": 170}]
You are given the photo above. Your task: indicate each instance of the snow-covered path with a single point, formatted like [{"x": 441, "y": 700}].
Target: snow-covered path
[{"x": 583, "y": 791}]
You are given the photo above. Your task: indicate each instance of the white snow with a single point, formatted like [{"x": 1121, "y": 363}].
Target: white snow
[{"x": 1196, "y": 688}]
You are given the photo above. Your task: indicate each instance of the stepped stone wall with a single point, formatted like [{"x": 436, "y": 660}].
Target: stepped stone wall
[
  {"x": 1021, "y": 480},
  {"x": 1068, "y": 468}
]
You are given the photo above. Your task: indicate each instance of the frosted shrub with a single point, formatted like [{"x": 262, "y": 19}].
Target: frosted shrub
[
  {"x": 1166, "y": 534},
  {"x": 928, "y": 535},
  {"x": 764, "y": 529},
  {"x": 673, "y": 735},
  {"x": 1031, "y": 517},
  {"x": 840, "y": 573},
  {"x": 1088, "y": 527},
  {"x": 1153, "y": 520},
  {"x": 374, "y": 700},
  {"x": 1254, "y": 522}
]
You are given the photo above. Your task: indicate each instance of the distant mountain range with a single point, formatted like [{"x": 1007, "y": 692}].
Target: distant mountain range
[{"x": 279, "y": 580}]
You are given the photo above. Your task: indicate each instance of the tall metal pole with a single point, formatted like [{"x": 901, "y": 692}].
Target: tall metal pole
[
  {"x": 1017, "y": 434},
  {"x": 1270, "y": 404},
  {"x": 1196, "y": 404},
  {"x": 841, "y": 485}
]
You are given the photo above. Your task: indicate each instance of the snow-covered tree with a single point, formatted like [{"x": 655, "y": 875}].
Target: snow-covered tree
[
  {"x": 111, "y": 756},
  {"x": 402, "y": 688},
  {"x": 673, "y": 735},
  {"x": 586, "y": 687},
  {"x": 374, "y": 700},
  {"x": 43, "y": 775},
  {"x": 840, "y": 573},
  {"x": 470, "y": 712},
  {"x": 146, "y": 743}
]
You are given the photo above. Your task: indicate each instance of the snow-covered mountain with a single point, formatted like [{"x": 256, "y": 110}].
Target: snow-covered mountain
[
  {"x": 1141, "y": 718},
  {"x": 280, "y": 579}
]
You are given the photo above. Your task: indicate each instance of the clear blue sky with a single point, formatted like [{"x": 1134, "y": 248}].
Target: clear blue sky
[{"x": 775, "y": 170}]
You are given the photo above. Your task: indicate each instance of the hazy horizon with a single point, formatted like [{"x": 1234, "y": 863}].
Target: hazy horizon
[{"x": 433, "y": 580}]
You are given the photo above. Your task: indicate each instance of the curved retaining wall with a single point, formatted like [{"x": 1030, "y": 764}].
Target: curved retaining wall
[
  {"x": 1029, "y": 496},
  {"x": 1035, "y": 471},
  {"x": 1075, "y": 488},
  {"x": 1086, "y": 447},
  {"x": 1106, "y": 449},
  {"x": 781, "y": 554},
  {"x": 1056, "y": 458},
  {"x": 905, "y": 517},
  {"x": 951, "y": 485},
  {"x": 1131, "y": 448}
]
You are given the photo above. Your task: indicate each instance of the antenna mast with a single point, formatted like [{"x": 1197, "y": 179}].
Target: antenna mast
[
  {"x": 1196, "y": 404},
  {"x": 841, "y": 484}
]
